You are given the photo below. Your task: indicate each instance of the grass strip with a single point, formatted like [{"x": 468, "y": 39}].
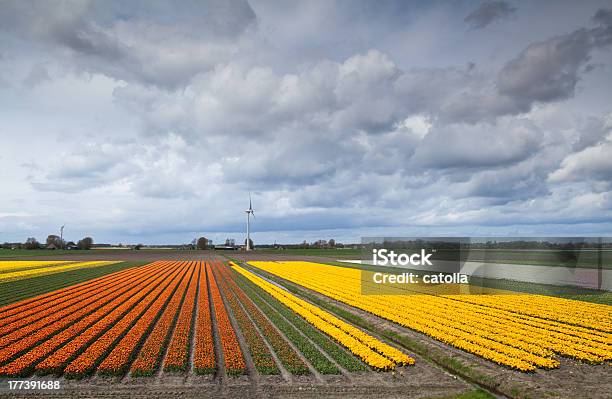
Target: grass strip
[
  {"x": 273, "y": 309},
  {"x": 262, "y": 358},
  {"x": 342, "y": 357}
]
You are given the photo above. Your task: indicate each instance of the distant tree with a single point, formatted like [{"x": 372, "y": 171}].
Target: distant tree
[
  {"x": 202, "y": 243},
  {"x": 250, "y": 243},
  {"x": 85, "y": 243},
  {"x": 52, "y": 239},
  {"x": 137, "y": 247},
  {"x": 320, "y": 243},
  {"x": 70, "y": 244},
  {"x": 32, "y": 243},
  {"x": 331, "y": 243}
]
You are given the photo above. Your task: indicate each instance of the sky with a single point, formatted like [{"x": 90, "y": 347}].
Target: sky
[{"x": 151, "y": 122}]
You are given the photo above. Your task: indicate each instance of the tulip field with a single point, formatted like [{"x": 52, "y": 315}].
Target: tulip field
[
  {"x": 17, "y": 270},
  {"x": 172, "y": 315},
  {"x": 519, "y": 331},
  {"x": 211, "y": 320}
]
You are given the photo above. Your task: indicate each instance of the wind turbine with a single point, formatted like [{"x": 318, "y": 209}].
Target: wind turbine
[
  {"x": 249, "y": 212},
  {"x": 62, "y": 236}
]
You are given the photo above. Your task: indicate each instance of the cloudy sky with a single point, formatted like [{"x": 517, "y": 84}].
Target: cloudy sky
[{"x": 147, "y": 121}]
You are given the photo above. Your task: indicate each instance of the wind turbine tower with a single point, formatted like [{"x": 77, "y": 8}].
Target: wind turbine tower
[
  {"x": 249, "y": 212},
  {"x": 62, "y": 236}
]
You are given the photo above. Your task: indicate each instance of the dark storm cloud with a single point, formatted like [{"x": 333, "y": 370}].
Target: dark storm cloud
[
  {"x": 549, "y": 70},
  {"x": 165, "y": 45},
  {"x": 489, "y": 12}
]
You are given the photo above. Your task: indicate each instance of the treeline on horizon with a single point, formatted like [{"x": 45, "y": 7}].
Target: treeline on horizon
[{"x": 53, "y": 242}]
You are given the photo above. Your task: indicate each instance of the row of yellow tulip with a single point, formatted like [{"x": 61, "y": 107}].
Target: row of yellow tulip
[
  {"x": 372, "y": 351},
  {"x": 582, "y": 315},
  {"x": 17, "y": 265},
  {"x": 21, "y": 274},
  {"x": 480, "y": 324},
  {"x": 429, "y": 323}
]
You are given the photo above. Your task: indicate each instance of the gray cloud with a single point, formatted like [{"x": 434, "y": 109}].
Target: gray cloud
[
  {"x": 549, "y": 70},
  {"x": 489, "y": 12},
  {"x": 480, "y": 146},
  {"x": 161, "y": 118},
  {"x": 592, "y": 163},
  {"x": 38, "y": 74},
  {"x": 164, "y": 46}
]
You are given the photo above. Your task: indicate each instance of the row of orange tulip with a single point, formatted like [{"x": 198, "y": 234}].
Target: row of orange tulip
[
  {"x": 234, "y": 361},
  {"x": 118, "y": 359},
  {"x": 86, "y": 361},
  {"x": 204, "y": 350},
  {"x": 69, "y": 301},
  {"x": 43, "y": 349},
  {"x": 178, "y": 348},
  {"x": 35, "y": 304},
  {"x": 51, "y": 321},
  {"x": 262, "y": 358},
  {"x": 148, "y": 358},
  {"x": 56, "y": 362},
  {"x": 29, "y": 336},
  {"x": 286, "y": 354}
]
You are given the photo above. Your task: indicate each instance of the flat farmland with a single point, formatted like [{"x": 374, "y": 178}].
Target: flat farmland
[
  {"x": 193, "y": 324},
  {"x": 202, "y": 328}
]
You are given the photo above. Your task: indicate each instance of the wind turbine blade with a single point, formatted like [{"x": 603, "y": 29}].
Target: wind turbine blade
[{"x": 250, "y": 206}]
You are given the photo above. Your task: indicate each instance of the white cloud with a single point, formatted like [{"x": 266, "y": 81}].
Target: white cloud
[{"x": 592, "y": 163}]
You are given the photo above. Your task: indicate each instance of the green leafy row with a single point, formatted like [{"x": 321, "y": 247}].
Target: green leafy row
[{"x": 273, "y": 309}]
